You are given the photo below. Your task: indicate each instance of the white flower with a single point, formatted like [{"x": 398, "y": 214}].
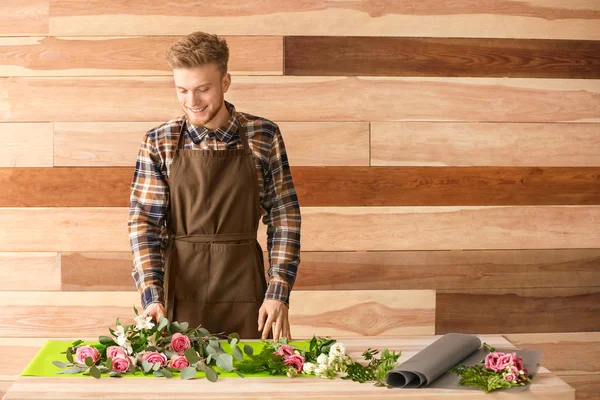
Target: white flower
[
  {"x": 120, "y": 331},
  {"x": 308, "y": 368},
  {"x": 322, "y": 359},
  {"x": 337, "y": 349},
  {"x": 143, "y": 322}
]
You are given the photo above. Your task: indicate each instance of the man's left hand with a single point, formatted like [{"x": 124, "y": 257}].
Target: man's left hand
[{"x": 276, "y": 314}]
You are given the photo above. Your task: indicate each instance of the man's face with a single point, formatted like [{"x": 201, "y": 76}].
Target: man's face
[{"x": 201, "y": 91}]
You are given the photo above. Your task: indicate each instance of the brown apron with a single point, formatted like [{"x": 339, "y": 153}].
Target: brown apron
[{"x": 214, "y": 267}]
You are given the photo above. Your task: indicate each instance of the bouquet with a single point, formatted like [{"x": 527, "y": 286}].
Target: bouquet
[
  {"x": 169, "y": 348},
  {"x": 496, "y": 371}
]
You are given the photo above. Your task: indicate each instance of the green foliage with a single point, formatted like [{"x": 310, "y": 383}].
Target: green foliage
[
  {"x": 265, "y": 361},
  {"x": 376, "y": 370},
  {"x": 479, "y": 377}
]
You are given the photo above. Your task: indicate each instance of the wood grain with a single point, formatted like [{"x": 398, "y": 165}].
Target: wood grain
[
  {"x": 564, "y": 353},
  {"x": 117, "y": 143},
  {"x": 143, "y": 55},
  {"x": 505, "y": 18},
  {"x": 330, "y": 186},
  {"x": 484, "y": 144},
  {"x": 332, "y": 229},
  {"x": 587, "y": 386},
  {"x": 25, "y": 17},
  {"x": 478, "y": 269},
  {"x": 518, "y": 310},
  {"x": 341, "y": 313},
  {"x": 417, "y": 56},
  {"x": 26, "y": 145},
  {"x": 30, "y": 271},
  {"x": 296, "y": 98}
]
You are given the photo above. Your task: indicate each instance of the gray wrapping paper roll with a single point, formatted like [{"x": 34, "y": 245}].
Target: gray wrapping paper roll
[
  {"x": 433, "y": 361},
  {"x": 430, "y": 367}
]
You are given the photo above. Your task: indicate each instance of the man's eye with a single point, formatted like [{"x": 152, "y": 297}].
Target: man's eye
[{"x": 183, "y": 91}]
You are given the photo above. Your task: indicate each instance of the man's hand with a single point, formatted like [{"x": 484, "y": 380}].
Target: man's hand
[
  {"x": 275, "y": 312},
  {"x": 155, "y": 310}
]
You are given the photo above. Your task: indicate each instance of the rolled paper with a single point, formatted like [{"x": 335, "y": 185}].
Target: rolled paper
[{"x": 433, "y": 361}]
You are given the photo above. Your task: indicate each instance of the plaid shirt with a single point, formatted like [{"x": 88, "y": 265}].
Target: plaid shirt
[{"x": 149, "y": 199}]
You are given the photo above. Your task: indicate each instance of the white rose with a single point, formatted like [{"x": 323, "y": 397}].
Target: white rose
[
  {"x": 337, "y": 349},
  {"x": 322, "y": 359},
  {"x": 309, "y": 368}
]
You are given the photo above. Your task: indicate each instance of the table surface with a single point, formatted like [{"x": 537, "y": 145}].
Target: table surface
[{"x": 545, "y": 385}]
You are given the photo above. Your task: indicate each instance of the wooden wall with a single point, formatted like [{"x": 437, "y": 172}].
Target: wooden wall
[{"x": 441, "y": 146}]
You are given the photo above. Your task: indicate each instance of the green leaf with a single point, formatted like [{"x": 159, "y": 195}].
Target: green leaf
[
  {"x": 109, "y": 364},
  {"x": 74, "y": 370},
  {"x": 166, "y": 373},
  {"x": 70, "y": 356},
  {"x": 157, "y": 374},
  {"x": 249, "y": 350},
  {"x": 239, "y": 373},
  {"x": 118, "y": 322},
  {"x": 169, "y": 353},
  {"x": 61, "y": 364},
  {"x": 188, "y": 373},
  {"x": 107, "y": 341},
  {"x": 89, "y": 361},
  {"x": 162, "y": 323},
  {"x": 135, "y": 311},
  {"x": 231, "y": 337},
  {"x": 225, "y": 361},
  {"x": 146, "y": 366},
  {"x": 191, "y": 356},
  {"x": 237, "y": 353},
  {"x": 211, "y": 374},
  {"x": 233, "y": 342},
  {"x": 184, "y": 326},
  {"x": 95, "y": 372},
  {"x": 156, "y": 366},
  {"x": 209, "y": 358},
  {"x": 202, "y": 332},
  {"x": 77, "y": 342}
]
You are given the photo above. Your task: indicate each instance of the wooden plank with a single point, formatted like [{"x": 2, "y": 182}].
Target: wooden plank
[
  {"x": 341, "y": 313},
  {"x": 545, "y": 386},
  {"x": 564, "y": 353},
  {"x": 15, "y": 355},
  {"x": 418, "y": 56},
  {"x": 30, "y": 271},
  {"x": 478, "y": 269},
  {"x": 529, "y": 19},
  {"x": 82, "y": 56},
  {"x": 4, "y": 387},
  {"x": 518, "y": 310},
  {"x": 26, "y": 145},
  {"x": 587, "y": 386},
  {"x": 332, "y": 229},
  {"x": 117, "y": 143},
  {"x": 332, "y": 186},
  {"x": 299, "y": 98},
  {"x": 484, "y": 144},
  {"x": 25, "y": 17}
]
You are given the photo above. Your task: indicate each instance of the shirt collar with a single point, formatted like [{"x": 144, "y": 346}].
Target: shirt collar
[{"x": 225, "y": 133}]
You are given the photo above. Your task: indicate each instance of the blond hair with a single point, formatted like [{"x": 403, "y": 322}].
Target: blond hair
[{"x": 197, "y": 49}]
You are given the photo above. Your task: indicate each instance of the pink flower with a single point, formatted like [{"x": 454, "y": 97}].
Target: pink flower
[
  {"x": 519, "y": 363},
  {"x": 179, "y": 362},
  {"x": 284, "y": 350},
  {"x": 83, "y": 352},
  {"x": 295, "y": 360},
  {"x": 491, "y": 361},
  {"x": 505, "y": 361},
  {"x": 121, "y": 363},
  {"x": 509, "y": 377},
  {"x": 155, "y": 357},
  {"x": 113, "y": 351},
  {"x": 179, "y": 343},
  {"x": 523, "y": 378}
]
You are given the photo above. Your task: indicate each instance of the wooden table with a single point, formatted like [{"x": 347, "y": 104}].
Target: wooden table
[{"x": 545, "y": 385}]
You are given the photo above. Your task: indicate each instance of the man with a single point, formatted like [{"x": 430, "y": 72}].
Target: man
[{"x": 201, "y": 184}]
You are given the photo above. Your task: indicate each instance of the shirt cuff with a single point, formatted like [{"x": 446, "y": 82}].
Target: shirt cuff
[
  {"x": 278, "y": 290},
  {"x": 152, "y": 294}
]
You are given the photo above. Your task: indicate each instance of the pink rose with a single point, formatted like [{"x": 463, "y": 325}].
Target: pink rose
[
  {"x": 295, "y": 360},
  {"x": 179, "y": 362},
  {"x": 519, "y": 363},
  {"x": 113, "y": 351},
  {"x": 155, "y": 357},
  {"x": 121, "y": 363},
  {"x": 83, "y": 352},
  {"x": 505, "y": 361},
  {"x": 179, "y": 343},
  {"x": 284, "y": 350},
  {"x": 491, "y": 361},
  {"x": 509, "y": 377}
]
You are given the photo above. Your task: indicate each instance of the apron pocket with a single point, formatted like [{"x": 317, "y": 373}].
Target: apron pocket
[
  {"x": 189, "y": 269},
  {"x": 232, "y": 273}
]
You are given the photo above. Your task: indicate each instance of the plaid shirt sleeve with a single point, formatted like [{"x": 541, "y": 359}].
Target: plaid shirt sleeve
[
  {"x": 283, "y": 223},
  {"x": 148, "y": 205}
]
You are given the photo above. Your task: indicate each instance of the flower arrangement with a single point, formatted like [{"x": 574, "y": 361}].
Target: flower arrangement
[
  {"x": 496, "y": 371},
  {"x": 166, "y": 348}
]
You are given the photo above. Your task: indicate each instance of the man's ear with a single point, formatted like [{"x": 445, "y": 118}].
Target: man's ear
[{"x": 226, "y": 82}]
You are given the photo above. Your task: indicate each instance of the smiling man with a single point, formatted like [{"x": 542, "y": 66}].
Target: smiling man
[{"x": 202, "y": 182}]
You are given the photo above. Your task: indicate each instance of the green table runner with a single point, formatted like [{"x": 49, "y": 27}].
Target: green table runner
[{"x": 41, "y": 365}]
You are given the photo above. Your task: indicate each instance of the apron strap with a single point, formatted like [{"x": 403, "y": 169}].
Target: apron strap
[{"x": 216, "y": 237}]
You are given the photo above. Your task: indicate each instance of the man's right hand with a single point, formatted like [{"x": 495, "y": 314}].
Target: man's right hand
[{"x": 155, "y": 310}]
